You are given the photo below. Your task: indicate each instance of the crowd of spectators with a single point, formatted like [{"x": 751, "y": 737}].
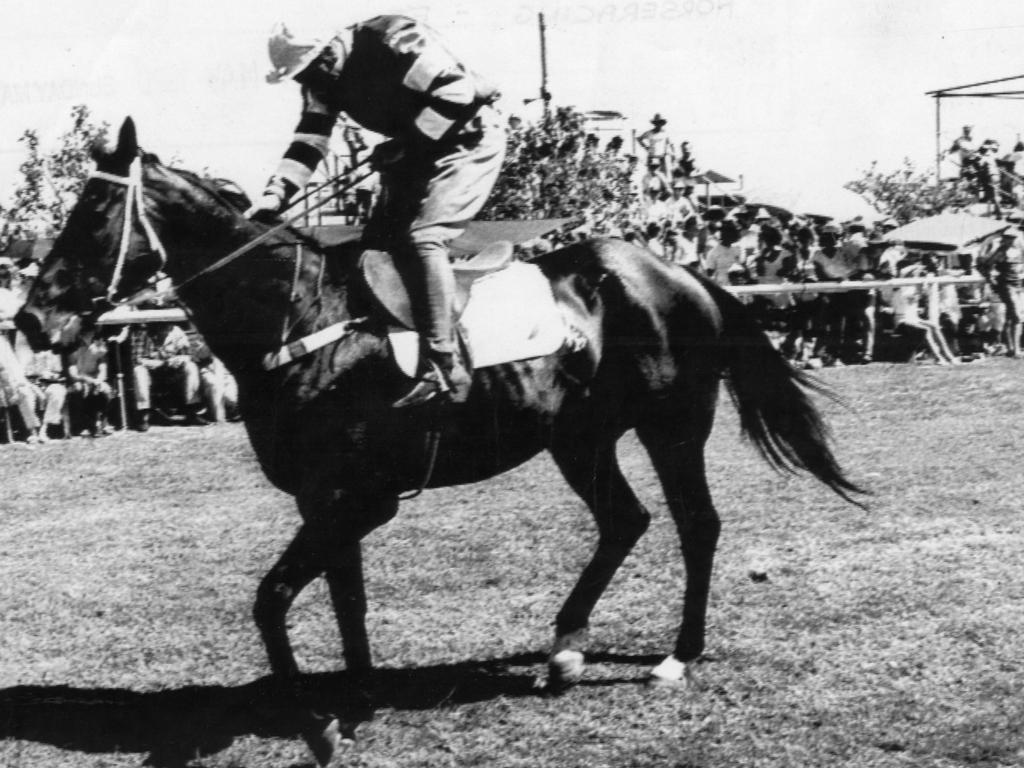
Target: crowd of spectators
[
  {"x": 748, "y": 246},
  {"x": 168, "y": 372},
  {"x": 654, "y": 203}
]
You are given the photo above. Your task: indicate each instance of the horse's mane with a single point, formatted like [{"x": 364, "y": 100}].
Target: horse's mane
[
  {"x": 233, "y": 197},
  {"x": 225, "y": 190}
]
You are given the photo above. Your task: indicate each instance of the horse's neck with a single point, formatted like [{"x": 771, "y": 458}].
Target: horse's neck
[{"x": 245, "y": 308}]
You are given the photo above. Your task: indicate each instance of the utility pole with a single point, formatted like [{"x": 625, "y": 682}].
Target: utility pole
[{"x": 544, "y": 95}]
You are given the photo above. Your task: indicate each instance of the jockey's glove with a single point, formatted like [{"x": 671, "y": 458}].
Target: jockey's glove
[
  {"x": 270, "y": 204},
  {"x": 386, "y": 154}
]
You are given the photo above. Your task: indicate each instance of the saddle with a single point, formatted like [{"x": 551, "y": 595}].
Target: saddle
[
  {"x": 383, "y": 277},
  {"x": 504, "y": 311}
]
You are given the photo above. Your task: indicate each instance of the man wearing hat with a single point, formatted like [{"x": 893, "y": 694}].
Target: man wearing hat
[
  {"x": 1004, "y": 269},
  {"x": 658, "y": 145},
  {"x": 393, "y": 75}
]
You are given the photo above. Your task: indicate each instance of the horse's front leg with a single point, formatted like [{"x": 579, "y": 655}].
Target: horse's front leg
[
  {"x": 278, "y": 590},
  {"x": 340, "y": 520}
]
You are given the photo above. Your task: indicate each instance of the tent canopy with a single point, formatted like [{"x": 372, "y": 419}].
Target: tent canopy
[
  {"x": 712, "y": 177},
  {"x": 946, "y": 232},
  {"x": 830, "y": 202}
]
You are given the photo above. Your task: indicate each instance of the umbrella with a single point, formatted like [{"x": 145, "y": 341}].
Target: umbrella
[{"x": 946, "y": 232}]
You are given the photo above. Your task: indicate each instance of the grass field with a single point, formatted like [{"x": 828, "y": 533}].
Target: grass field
[{"x": 887, "y": 637}]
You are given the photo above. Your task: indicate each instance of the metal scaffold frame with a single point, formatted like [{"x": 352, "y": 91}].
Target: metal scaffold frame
[{"x": 961, "y": 92}]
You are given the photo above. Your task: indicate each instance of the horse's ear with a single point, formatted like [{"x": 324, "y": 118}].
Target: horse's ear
[
  {"x": 127, "y": 141},
  {"x": 120, "y": 157}
]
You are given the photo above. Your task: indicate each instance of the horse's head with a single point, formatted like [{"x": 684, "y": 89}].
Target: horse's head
[{"x": 107, "y": 247}]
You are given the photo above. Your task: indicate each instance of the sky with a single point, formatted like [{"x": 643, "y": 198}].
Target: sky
[{"x": 780, "y": 92}]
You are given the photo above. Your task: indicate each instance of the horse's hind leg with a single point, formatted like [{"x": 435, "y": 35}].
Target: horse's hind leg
[
  {"x": 593, "y": 472},
  {"x": 675, "y": 442}
]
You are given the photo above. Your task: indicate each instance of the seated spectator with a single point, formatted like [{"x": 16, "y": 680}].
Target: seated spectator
[
  {"x": 220, "y": 391},
  {"x": 165, "y": 359},
  {"x": 87, "y": 375},
  {"x": 45, "y": 372},
  {"x": 16, "y": 392},
  {"x": 907, "y": 320}
]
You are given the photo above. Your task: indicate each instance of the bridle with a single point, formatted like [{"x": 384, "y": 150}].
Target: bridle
[{"x": 134, "y": 207}]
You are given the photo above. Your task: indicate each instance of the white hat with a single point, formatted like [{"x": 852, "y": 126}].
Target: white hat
[
  {"x": 288, "y": 55},
  {"x": 29, "y": 270}
]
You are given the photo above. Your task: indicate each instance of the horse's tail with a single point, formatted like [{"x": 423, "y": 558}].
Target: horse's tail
[{"x": 774, "y": 400}]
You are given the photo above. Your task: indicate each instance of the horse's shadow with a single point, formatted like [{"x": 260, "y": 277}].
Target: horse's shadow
[{"x": 174, "y": 726}]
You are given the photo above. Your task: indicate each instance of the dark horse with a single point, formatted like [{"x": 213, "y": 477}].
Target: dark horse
[{"x": 659, "y": 339}]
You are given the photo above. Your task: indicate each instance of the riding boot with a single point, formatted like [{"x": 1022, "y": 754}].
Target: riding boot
[{"x": 443, "y": 373}]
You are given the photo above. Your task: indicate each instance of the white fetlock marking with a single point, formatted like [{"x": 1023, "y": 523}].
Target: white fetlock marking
[
  {"x": 567, "y": 666},
  {"x": 566, "y": 662},
  {"x": 671, "y": 670}
]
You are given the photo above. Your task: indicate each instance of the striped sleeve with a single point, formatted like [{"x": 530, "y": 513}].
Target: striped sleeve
[
  {"x": 449, "y": 90},
  {"x": 309, "y": 144}
]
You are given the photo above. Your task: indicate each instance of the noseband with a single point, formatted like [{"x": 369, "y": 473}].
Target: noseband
[{"x": 134, "y": 207}]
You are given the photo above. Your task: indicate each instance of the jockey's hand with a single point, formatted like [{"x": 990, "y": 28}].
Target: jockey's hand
[
  {"x": 386, "y": 154},
  {"x": 270, "y": 204}
]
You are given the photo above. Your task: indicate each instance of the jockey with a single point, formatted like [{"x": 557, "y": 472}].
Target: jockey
[{"x": 392, "y": 75}]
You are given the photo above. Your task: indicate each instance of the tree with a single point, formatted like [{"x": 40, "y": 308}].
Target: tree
[
  {"x": 51, "y": 182},
  {"x": 554, "y": 170},
  {"x": 907, "y": 194}
]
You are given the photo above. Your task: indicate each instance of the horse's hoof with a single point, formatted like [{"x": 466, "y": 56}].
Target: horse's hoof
[
  {"x": 565, "y": 669},
  {"x": 324, "y": 736},
  {"x": 672, "y": 673},
  {"x": 566, "y": 662}
]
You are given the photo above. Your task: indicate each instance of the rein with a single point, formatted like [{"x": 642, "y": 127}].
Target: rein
[{"x": 135, "y": 207}]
